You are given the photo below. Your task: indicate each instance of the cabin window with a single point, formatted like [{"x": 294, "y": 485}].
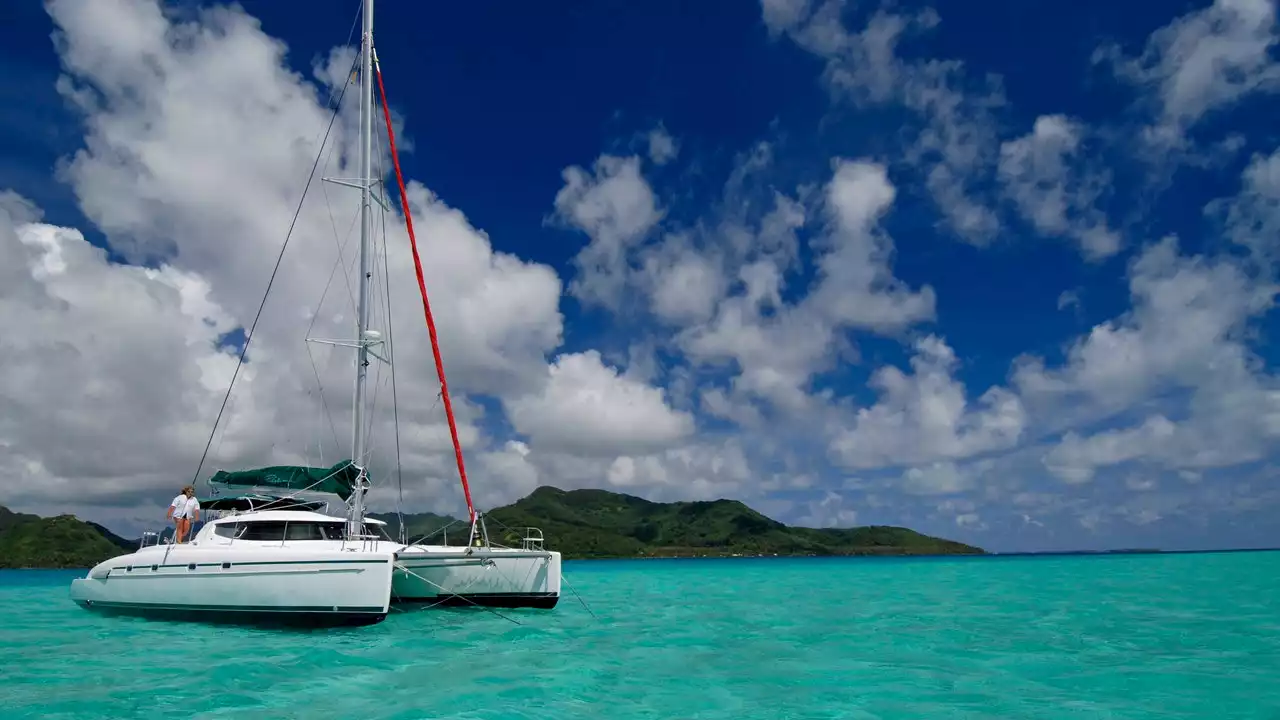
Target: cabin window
[
  {"x": 315, "y": 531},
  {"x": 278, "y": 530},
  {"x": 303, "y": 531},
  {"x": 265, "y": 531},
  {"x": 333, "y": 531}
]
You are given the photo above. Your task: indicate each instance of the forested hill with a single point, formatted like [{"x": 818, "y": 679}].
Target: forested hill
[
  {"x": 603, "y": 524},
  {"x": 31, "y": 541}
]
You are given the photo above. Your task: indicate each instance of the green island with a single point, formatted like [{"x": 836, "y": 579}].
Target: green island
[
  {"x": 31, "y": 541},
  {"x": 598, "y": 524},
  {"x": 582, "y": 524}
]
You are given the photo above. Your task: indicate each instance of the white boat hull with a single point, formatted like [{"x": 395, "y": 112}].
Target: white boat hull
[
  {"x": 489, "y": 577},
  {"x": 308, "y": 586}
]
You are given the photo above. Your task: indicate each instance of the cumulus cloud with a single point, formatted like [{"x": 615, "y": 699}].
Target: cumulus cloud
[
  {"x": 778, "y": 347},
  {"x": 957, "y": 143},
  {"x": 614, "y": 205},
  {"x": 939, "y": 478},
  {"x": 1075, "y": 459},
  {"x": 925, "y": 417},
  {"x": 1201, "y": 62},
  {"x": 1044, "y": 176},
  {"x": 833, "y": 510},
  {"x": 586, "y": 407},
  {"x": 116, "y": 377},
  {"x": 1252, "y": 217},
  {"x": 1187, "y": 325},
  {"x": 97, "y": 345},
  {"x": 684, "y": 283},
  {"x": 1185, "y": 342}
]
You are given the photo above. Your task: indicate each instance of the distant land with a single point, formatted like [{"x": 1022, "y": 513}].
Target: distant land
[
  {"x": 601, "y": 524},
  {"x": 31, "y": 541},
  {"x": 582, "y": 524}
]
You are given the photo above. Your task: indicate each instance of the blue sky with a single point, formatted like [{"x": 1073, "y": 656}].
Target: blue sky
[{"x": 1037, "y": 156}]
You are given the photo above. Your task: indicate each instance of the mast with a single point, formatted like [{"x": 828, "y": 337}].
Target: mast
[{"x": 358, "y": 439}]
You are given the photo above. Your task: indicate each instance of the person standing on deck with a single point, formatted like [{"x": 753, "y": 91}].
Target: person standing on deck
[{"x": 184, "y": 510}]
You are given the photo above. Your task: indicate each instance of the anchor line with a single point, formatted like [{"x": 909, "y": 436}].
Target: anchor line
[{"x": 495, "y": 612}]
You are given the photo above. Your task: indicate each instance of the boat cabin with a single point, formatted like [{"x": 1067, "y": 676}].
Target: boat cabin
[{"x": 277, "y": 526}]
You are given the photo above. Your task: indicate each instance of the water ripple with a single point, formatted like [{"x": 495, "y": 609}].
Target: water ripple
[{"x": 1169, "y": 636}]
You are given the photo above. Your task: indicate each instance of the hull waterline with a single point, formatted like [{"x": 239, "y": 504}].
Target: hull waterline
[
  {"x": 215, "y": 615},
  {"x": 256, "y": 586}
]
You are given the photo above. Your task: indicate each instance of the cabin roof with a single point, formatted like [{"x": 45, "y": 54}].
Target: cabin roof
[{"x": 285, "y": 516}]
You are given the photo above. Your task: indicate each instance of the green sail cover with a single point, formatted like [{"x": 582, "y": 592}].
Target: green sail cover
[
  {"x": 340, "y": 479},
  {"x": 253, "y": 501}
]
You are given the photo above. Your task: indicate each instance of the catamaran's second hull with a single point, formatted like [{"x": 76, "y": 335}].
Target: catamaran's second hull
[
  {"x": 278, "y": 587},
  {"x": 489, "y": 577}
]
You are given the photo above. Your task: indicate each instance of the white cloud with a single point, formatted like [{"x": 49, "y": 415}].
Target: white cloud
[
  {"x": 95, "y": 345},
  {"x": 778, "y": 347},
  {"x": 662, "y": 147},
  {"x": 1053, "y": 189},
  {"x": 1179, "y": 358},
  {"x": 1069, "y": 299},
  {"x": 702, "y": 469},
  {"x": 831, "y": 511},
  {"x": 586, "y": 407},
  {"x": 684, "y": 284},
  {"x": 783, "y": 15},
  {"x": 1252, "y": 217},
  {"x": 856, "y": 287},
  {"x": 957, "y": 144},
  {"x": 199, "y": 139},
  {"x": 1203, "y": 61},
  {"x": 940, "y": 478},
  {"x": 1140, "y": 483},
  {"x": 615, "y": 207},
  {"x": 198, "y": 143},
  {"x": 513, "y": 466},
  {"x": 1228, "y": 422},
  {"x": 1187, "y": 324},
  {"x": 1075, "y": 459},
  {"x": 925, "y": 416},
  {"x": 214, "y": 96},
  {"x": 1183, "y": 344}
]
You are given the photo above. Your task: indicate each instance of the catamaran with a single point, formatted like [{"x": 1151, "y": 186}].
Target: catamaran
[{"x": 268, "y": 555}]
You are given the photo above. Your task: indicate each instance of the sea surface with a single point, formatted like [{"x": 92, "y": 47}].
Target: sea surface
[{"x": 1121, "y": 636}]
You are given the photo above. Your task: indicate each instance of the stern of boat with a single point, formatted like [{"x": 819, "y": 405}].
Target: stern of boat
[{"x": 455, "y": 576}]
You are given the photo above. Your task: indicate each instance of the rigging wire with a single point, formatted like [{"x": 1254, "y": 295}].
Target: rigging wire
[
  {"x": 426, "y": 304},
  {"x": 391, "y": 356},
  {"x": 341, "y": 244},
  {"x": 324, "y": 403},
  {"x": 244, "y": 349},
  {"x": 340, "y": 261}
]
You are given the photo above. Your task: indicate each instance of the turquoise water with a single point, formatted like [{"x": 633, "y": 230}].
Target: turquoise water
[{"x": 1154, "y": 636}]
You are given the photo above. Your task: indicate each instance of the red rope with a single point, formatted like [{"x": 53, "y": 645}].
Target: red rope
[{"x": 426, "y": 304}]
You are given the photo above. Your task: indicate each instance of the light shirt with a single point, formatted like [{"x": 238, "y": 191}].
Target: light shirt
[{"x": 184, "y": 506}]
